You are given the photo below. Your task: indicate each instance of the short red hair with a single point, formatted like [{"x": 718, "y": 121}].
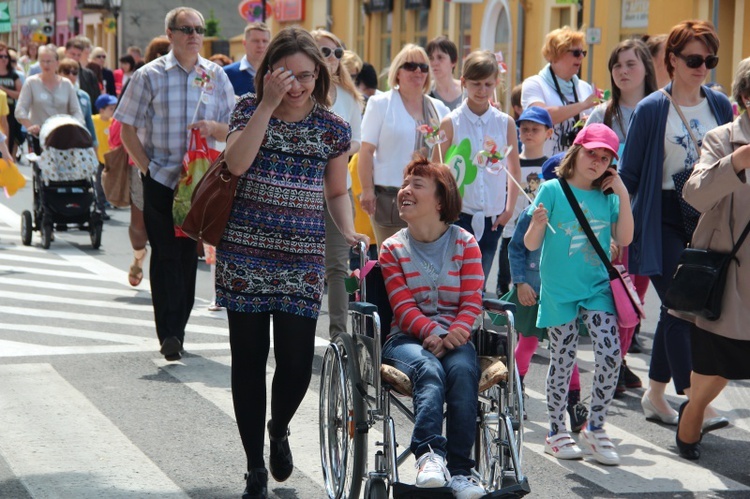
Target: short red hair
[
  {"x": 686, "y": 32},
  {"x": 447, "y": 189}
]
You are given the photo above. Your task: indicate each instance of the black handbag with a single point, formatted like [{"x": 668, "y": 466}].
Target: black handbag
[{"x": 697, "y": 287}]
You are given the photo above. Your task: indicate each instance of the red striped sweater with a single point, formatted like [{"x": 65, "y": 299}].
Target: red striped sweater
[{"x": 423, "y": 308}]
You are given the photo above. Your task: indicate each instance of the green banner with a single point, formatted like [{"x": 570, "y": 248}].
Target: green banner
[{"x": 5, "y": 24}]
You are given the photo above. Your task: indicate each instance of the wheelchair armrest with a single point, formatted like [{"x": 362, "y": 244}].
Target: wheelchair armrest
[
  {"x": 498, "y": 306},
  {"x": 362, "y": 307}
]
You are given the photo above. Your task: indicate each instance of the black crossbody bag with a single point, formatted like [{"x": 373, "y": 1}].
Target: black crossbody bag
[{"x": 698, "y": 284}]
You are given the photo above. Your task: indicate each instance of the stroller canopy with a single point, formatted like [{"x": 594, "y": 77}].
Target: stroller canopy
[
  {"x": 64, "y": 132},
  {"x": 68, "y": 153}
]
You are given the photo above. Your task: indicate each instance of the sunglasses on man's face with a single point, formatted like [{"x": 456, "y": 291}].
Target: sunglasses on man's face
[
  {"x": 578, "y": 53},
  {"x": 695, "y": 61},
  {"x": 338, "y": 52},
  {"x": 189, "y": 30},
  {"x": 413, "y": 66}
]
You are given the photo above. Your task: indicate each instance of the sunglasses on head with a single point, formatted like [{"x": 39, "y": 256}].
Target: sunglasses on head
[
  {"x": 578, "y": 52},
  {"x": 338, "y": 52},
  {"x": 413, "y": 66},
  {"x": 695, "y": 61},
  {"x": 189, "y": 30}
]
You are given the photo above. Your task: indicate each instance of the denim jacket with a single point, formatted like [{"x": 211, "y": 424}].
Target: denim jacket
[{"x": 524, "y": 264}]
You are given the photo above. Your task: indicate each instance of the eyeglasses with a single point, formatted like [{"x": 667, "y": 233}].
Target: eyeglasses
[
  {"x": 73, "y": 72},
  {"x": 578, "y": 52},
  {"x": 189, "y": 30},
  {"x": 4, "y": 56},
  {"x": 338, "y": 52},
  {"x": 303, "y": 78},
  {"x": 100, "y": 56},
  {"x": 413, "y": 66},
  {"x": 695, "y": 61}
]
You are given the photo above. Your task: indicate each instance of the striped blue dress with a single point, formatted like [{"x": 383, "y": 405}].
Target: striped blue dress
[{"x": 271, "y": 256}]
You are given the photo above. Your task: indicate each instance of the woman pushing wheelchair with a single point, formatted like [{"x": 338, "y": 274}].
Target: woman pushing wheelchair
[{"x": 434, "y": 278}]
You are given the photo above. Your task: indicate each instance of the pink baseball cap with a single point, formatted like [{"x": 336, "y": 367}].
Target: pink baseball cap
[{"x": 598, "y": 135}]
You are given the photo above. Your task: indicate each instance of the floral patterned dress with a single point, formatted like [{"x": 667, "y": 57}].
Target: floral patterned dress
[{"x": 271, "y": 256}]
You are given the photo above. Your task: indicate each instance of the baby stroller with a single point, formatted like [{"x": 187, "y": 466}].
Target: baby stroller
[{"x": 63, "y": 183}]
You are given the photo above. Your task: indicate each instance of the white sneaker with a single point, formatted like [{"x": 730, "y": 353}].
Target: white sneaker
[
  {"x": 432, "y": 471},
  {"x": 600, "y": 446},
  {"x": 465, "y": 487},
  {"x": 562, "y": 446}
]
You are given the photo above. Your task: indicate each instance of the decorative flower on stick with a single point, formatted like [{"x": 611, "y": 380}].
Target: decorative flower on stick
[
  {"x": 492, "y": 160},
  {"x": 204, "y": 79},
  {"x": 432, "y": 136}
]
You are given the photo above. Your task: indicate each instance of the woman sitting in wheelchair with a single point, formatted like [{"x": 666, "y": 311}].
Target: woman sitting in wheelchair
[{"x": 433, "y": 274}]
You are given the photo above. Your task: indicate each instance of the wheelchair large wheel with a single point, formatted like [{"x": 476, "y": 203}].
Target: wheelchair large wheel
[{"x": 343, "y": 437}]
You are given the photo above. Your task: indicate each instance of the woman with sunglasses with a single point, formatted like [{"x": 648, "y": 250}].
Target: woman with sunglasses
[
  {"x": 659, "y": 146},
  {"x": 10, "y": 83},
  {"x": 558, "y": 89},
  {"x": 46, "y": 94},
  {"x": 390, "y": 136},
  {"x": 347, "y": 102}
]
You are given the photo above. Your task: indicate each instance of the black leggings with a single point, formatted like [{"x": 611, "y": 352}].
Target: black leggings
[{"x": 294, "y": 347}]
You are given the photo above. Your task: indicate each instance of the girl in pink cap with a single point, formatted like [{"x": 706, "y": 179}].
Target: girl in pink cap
[{"x": 575, "y": 283}]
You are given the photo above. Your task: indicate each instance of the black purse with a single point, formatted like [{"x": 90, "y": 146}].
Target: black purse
[{"x": 697, "y": 287}]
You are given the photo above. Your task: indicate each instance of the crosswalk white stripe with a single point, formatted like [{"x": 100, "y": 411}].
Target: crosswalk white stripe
[
  {"x": 72, "y": 316},
  {"x": 9, "y": 257},
  {"x": 657, "y": 470},
  {"x": 72, "y": 288},
  {"x": 59, "y": 445},
  {"x": 83, "y": 302},
  {"x": 82, "y": 275}
]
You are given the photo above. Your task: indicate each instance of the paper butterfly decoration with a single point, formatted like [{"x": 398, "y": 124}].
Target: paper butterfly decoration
[
  {"x": 204, "y": 79},
  {"x": 490, "y": 157},
  {"x": 432, "y": 134},
  {"x": 501, "y": 62}
]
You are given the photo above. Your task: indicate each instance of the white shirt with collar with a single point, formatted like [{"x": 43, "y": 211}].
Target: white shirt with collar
[
  {"x": 485, "y": 196},
  {"x": 246, "y": 66}
]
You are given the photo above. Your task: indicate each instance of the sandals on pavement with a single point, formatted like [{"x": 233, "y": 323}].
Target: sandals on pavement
[{"x": 135, "y": 275}]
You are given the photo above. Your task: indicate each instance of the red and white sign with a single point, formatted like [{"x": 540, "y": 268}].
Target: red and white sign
[
  {"x": 289, "y": 10},
  {"x": 252, "y": 10}
]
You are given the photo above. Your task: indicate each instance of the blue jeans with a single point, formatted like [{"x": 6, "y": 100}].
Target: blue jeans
[
  {"x": 671, "y": 353},
  {"x": 488, "y": 243},
  {"x": 453, "y": 380}
]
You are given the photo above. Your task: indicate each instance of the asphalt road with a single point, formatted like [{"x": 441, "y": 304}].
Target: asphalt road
[{"x": 89, "y": 409}]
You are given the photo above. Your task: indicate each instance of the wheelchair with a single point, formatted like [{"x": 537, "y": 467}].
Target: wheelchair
[{"x": 357, "y": 392}]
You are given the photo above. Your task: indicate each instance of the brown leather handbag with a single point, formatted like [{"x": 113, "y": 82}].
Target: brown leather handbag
[
  {"x": 211, "y": 204},
  {"x": 116, "y": 177}
]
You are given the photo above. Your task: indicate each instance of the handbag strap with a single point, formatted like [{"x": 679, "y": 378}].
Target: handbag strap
[
  {"x": 684, "y": 121},
  {"x": 587, "y": 228},
  {"x": 740, "y": 241},
  {"x": 562, "y": 97}
]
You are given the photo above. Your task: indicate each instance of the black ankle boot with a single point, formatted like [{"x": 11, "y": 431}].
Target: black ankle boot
[
  {"x": 280, "y": 462},
  {"x": 686, "y": 450},
  {"x": 257, "y": 484}
]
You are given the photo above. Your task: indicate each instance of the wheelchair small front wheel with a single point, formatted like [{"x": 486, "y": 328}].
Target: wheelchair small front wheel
[
  {"x": 341, "y": 411},
  {"x": 376, "y": 489}
]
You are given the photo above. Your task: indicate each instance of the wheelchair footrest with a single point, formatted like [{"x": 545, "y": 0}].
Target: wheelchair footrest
[
  {"x": 406, "y": 491},
  {"x": 511, "y": 492}
]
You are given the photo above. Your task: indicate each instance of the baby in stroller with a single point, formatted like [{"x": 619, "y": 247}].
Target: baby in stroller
[{"x": 63, "y": 182}]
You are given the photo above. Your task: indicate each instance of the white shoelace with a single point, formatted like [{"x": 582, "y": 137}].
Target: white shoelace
[
  {"x": 433, "y": 463},
  {"x": 461, "y": 482}
]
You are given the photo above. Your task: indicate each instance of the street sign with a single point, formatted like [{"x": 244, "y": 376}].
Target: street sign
[
  {"x": 5, "y": 21},
  {"x": 593, "y": 36}
]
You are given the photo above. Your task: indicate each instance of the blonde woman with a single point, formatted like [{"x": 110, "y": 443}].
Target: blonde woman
[
  {"x": 390, "y": 137},
  {"x": 558, "y": 89},
  {"x": 347, "y": 102}
]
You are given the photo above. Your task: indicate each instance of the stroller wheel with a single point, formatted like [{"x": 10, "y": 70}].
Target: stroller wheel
[
  {"x": 46, "y": 235},
  {"x": 96, "y": 235},
  {"x": 26, "y": 228}
]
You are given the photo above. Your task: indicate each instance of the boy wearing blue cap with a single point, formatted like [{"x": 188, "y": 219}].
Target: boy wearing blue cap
[
  {"x": 534, "y": 128},
  {"x": 106, "y": 105}
]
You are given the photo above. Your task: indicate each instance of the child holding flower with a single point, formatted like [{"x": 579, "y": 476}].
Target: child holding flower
[{"x": 489, "y": 197}]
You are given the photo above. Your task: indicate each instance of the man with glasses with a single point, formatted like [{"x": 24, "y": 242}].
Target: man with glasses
[
  {"x": 156, "y": 111},
  {"x": 242, "y": 73}
]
